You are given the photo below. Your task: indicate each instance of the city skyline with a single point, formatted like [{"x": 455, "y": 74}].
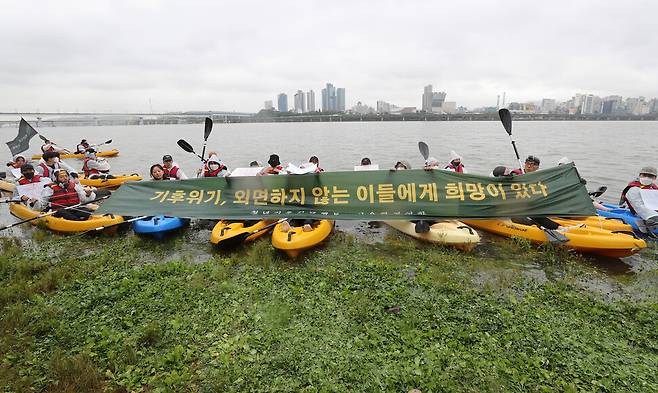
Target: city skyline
[{"x": 157, "y": 56}]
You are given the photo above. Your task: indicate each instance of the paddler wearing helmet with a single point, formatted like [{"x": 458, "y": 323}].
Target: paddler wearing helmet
[{"x": 64, "y": 192}]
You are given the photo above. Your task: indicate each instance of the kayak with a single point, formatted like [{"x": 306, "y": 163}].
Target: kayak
[
  {"x": 296, "y": 240},
  {"x": 226, "y": 230},
  {"x": 622, "y": 214},
  {"x": 114, "y": 182},
  {"x": 610, "y": 224},
  {"x": 581, "y": 237},
  {"x": 62, "y": 225},
  {"x": 448, "y": 232},
  {"x": 7, "y": 186},
  {"x": 106, "y": 153},
  {"x": 159, "y": 226}
]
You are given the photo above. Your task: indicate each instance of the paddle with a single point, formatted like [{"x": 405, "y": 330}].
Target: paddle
[
  {"x": 506, "y": 119},
  {"x": 188, "y": 148},
  {"x": 206, "y": 134},
  {"x": 107, "y": 142},
  {"x": 598, "y": 192},
  {"x": 50, "y": 213},
  {"x": 239, "y": 238},
  {"x": 10, "y": 201},
  {"x": 112, "y": 226},
  {"x": 424, "y": 150}
]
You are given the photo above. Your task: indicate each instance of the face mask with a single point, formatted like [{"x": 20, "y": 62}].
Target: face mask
[
  {"x": 28, "y": 175},
  {"x": 455, "y": 163},
  {"x": 646, "y": 181},
  {"x": 213, "y": 166}
]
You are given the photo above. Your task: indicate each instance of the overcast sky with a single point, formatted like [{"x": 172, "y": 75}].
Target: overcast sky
[{"x": 203, "y": 55}]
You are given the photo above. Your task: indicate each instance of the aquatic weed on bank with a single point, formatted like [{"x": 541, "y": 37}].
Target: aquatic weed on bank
[{"x": 347, "y": 317}]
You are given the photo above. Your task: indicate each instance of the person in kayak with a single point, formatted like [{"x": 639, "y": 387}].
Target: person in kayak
[
  {"x": 171, "y": 169},
  {"x": 28, "y": 177},
  {"x": 95, "y": 168},
  {"x": 82, "y": 146},
  {"x": 431, "y": 163},
  {"x": 64, "y": 192},
  {"x": 632, "y": 197},
  {"x": 14, "y": 172},
  {"x": 365, "y": 161},
  {"x": 214, "y": 167},
  {"x": 503, "y": 171},
  {"x": 157, "y": 172},
  {"x": 50, "y": 162},
  {"x": 275, "y": 166},
  {"x": 531, "y": 164},
  {"x": 455, "y": 163},
  {"x": 401, "y": 165},
  {"x": 254, "y": 164},
  {"x": 50, "y": 146},
  {"x": 315, "y": 160}
]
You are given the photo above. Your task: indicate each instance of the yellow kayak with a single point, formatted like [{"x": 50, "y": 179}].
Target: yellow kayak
[
  {"x": 448, "y": 232},
  {"x": 106, "y": 153},
  {"x": 62, "y": 225},
  {"x": 225, "y": 231},
  {"x": 7, "y": 186},
  {"x": 114, "y": 182},
  {"x": 582, "y": 237},
  {"x": 598, "y": 222},
  {"x": 296, "y": 240}
]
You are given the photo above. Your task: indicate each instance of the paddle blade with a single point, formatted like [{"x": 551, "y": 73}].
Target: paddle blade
[
  {"x": 43, "y": 138},
  {"x": 208, "y": 130},
  {"x": 185, "y": 146},
  {"x": 506, "y": 119},
  {"x": 600, "y": 191},
  {"x": 108, "y": 142},
  {"x": 424, "y": 149}
]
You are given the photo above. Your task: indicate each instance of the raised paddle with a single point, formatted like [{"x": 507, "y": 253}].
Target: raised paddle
[
  {"x": 50, "y": 213},
  {"x": 506, "y": 119},
  {"x": 10, "y": 201},
  {"x": 239, "y": 238},
  {"x": 424, "y": 150},
  {"x": 188, "y": 148},
  {"x": 107, "y": 142},
  {"x": 206, "y": 134}
]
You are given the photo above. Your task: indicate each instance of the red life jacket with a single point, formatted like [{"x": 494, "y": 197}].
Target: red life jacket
[
  {"x": 272, "y": 170},
  {"x": 85, "y": 168},
  {"x": 459, "y": 169},
  {"x": 516, "y": 172},
  {"x": 63, "y": 197},
  {"x": 630, "y": 185},
  {"x": 23, "y": 181},
  {"x": 171, "y": 173},
  {"x": 46, "y": 169},
  {"x": 208, "y": 173}
]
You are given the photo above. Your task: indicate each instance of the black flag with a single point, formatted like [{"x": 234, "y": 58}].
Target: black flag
[{"x": 22, "y": 140}]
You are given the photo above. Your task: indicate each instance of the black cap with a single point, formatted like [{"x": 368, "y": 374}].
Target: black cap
[
  {"x": 26, "y": 167},
  {"x": 366, "y": 161},
  {"x": 83, "y": 141},
  {"x": 499, "y": 171},
  {"x": 49, "y": 154},
  {"x": 274, "y": 160},
  {"x": 533, "y": 159},
  {"x": 167, "y": 157}
]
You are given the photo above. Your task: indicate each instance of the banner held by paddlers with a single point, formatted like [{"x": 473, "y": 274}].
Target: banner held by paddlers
[{"x": 385, "y": 195}]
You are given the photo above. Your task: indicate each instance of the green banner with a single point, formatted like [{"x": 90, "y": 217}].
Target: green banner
[{"x": 368, "y": 195}]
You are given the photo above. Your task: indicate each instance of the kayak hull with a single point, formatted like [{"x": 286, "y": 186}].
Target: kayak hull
[
  {"x": 598, "y": 222},
  {"x": 296, "y": 240},
  {"x": 446, "y": 232},
  {"x": 224, "y": 232},
  {"x": 114, "y": 182},
  {"x": 106, "y": 153},
  {"x": 61, "y": 225},
  {"x": 159, "y": 226},
  {"x": 582, "y": 238},
  {"x": 6, "y": 186}
]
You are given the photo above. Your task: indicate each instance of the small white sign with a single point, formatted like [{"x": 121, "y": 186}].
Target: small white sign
[
  {"x": 373, "y": 167},
  {"x": 302, "y": 169},
  {"x": 16, "y": 172},
  {"x": 650, "y": 198},
  {"x": 251, "y": 171},
  {"x": 32, "y": 190}
]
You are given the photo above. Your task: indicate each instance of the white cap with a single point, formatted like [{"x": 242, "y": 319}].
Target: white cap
[
  {"x": 17, "y": 156},
  {"x": 454, "y": 156},
  {"x": 563, "y": 160},
  {"x": 431, "y": 161},
  {"x": 214, "y": 158}
]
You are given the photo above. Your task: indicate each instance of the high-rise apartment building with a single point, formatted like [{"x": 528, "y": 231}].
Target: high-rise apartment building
[
  {"x": 282, "y": 102},
  {"x": 300, "y": 102},
  {"x": 310, "y": 101},
  {"x": 340, "y": 99}
]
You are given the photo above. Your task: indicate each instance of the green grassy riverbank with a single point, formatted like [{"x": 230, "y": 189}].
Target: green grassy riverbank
[{"x": 127, "y": 314}]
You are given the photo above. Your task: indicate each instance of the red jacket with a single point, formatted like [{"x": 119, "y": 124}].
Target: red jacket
[
  {"x": 35, "y": 179},
  {"x": 630, "y": 185},
  {"x": 63, "y": 197}
]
